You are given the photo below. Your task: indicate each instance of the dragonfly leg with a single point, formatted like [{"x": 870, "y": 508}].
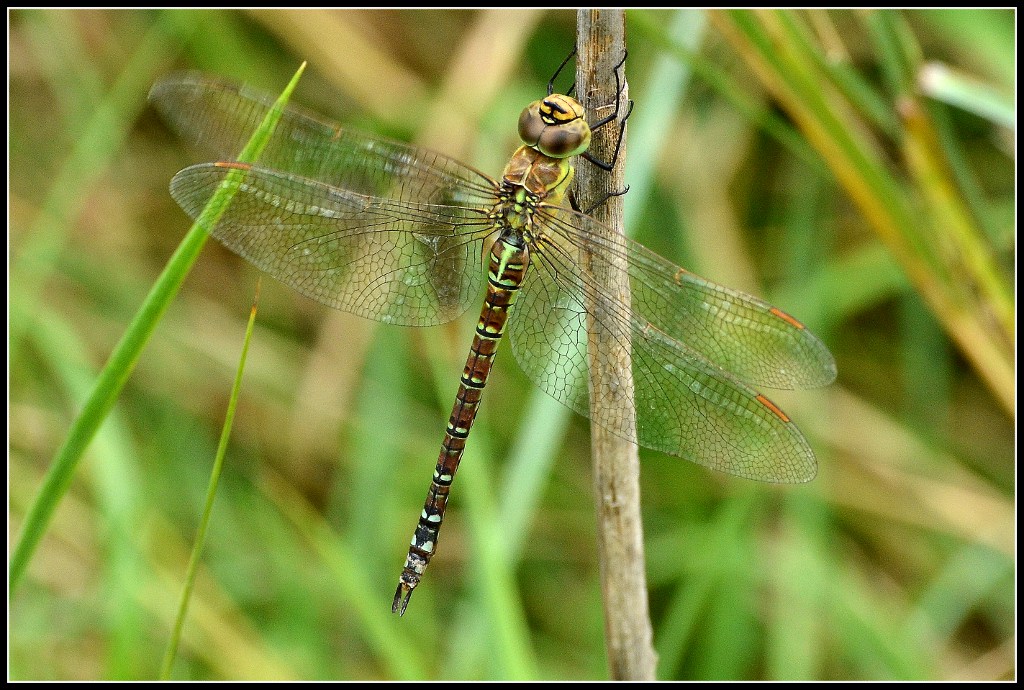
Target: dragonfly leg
[
  {"x": 619, "y": 87},
  {"x": 575, "y": 206},
  {"x": 551, "y": 82}
]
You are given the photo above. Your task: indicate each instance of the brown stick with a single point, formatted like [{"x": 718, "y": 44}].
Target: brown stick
[{"x": 628, "y": 636}]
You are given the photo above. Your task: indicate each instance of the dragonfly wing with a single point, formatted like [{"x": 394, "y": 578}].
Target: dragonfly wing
[
  {"x": 377, "y": 227},
  {"x": 218, "y": 117},
  {"x": 685, "y": 405},
  {"x": 387, "y": 259},
  {"x": 740, "y": 333}
]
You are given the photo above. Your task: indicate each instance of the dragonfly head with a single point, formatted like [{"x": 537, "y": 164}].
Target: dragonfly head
[{"x": 555, "y": 126}]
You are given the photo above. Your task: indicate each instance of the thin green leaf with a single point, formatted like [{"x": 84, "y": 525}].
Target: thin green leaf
[{"x": 124, "y": 357}]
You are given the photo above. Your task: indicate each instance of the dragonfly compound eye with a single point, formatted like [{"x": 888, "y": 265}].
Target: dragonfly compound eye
[{"x": 555, "y": 126}]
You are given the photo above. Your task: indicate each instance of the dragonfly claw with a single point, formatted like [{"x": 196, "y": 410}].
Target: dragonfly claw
[{"x": 401, "y": 601}]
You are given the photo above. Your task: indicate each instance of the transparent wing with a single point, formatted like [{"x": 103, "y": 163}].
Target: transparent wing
[
  {"x": 758, "y": 343},
  {"x": 384, "y": 259},
  {"x": 218, "y": 117},
  {"x": 381, "y": 228},
  {"x": 686, "y": 401}
]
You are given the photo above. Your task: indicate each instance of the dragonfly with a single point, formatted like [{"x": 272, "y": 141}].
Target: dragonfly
[{"x": 401, "y": 234}]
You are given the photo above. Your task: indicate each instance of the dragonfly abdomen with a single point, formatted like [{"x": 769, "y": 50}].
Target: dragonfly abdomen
[{"x": 509, "y": 259}]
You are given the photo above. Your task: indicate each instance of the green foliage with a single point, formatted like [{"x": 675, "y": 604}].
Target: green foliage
[{"x": 810, "y": 157}]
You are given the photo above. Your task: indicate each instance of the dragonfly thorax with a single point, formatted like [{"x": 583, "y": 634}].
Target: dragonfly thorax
[
  {"x": 529, "y": 179},
  {"x": 556, "y": 126}
]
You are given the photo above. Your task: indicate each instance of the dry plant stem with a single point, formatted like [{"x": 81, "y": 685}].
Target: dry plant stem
[{"x": 628, "y": 636}]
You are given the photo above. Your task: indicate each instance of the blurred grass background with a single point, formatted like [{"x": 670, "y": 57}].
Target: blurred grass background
[{"x": 898, "y": 561}]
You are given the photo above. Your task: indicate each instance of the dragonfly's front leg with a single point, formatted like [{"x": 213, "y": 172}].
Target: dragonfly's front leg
[{"x": 508, "y": 264}]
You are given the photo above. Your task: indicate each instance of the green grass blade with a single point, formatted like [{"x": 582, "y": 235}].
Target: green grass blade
[
  {"x": 103, "y": 133},
  {"x": 125, "y": 355},
  {"x": 211, "y": 493},
  {"x": 652, "y": 27},
  {"x": 788, "y": 67}
]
